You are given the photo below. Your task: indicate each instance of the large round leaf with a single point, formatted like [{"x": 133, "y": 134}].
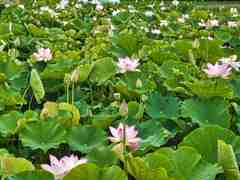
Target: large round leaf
[
  {"x": 9, "y": 122},
  {"x": 227, "y": 159},
  {"x": 103, "y": 70},
  {"x": 85, "y": 138},
  {"x": 163, "y": 106},
  {"x": 204, "y": 140},
  {"x": 207, "y": 111},
  {"x": 103, "y": 156},
  {"x": 32, "y": 175},
  {"x": 183, "y": 164},
  {"x": 84, "y": 172},
  {"x": 43, "y": 135},
  {"x": 92, "y": 172},
  {"x": 153, "y": 134},
  {"x": 11, "y": 166},
  {"x": 113, "y": 173},
  {"x": 141, "y": 170}
]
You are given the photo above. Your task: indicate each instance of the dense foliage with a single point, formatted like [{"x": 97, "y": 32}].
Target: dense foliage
[{"x": 144, "y": 90}]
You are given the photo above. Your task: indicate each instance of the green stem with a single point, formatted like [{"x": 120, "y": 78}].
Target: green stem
[
  {"x": 25, "y": 92},
  {"x": 67, "y": 91},
  {"x": 73, "y": 88},
  {"x": 30, "y": 103}
]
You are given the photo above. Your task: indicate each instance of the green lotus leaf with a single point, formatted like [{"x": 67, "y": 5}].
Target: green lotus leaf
[
  {"x": 11, "y": 166},
  {"x": 103, "y": 70},
  {"x": 32, "y": 175},
  {"x": 113, "y": 173},
  {"x": 10, "y": 96},
  {"x": 182, "y": 47},
  {"x": 92, "y": 172},
  {"x": 183, "y": 164},
  {"x": 85, "y": 138},
  {"x": 135, "y": 110},
  {"x": 74, "y": 111},
  {"x": 37, "y": 85},
  {"x": 58, "y": 70},
  {"x": 163, "y": 106},
  {"x": 209, "y": 88},
  {"x": 9, "y": 122},
  {"x": 235, "y": 83},
  {"x": 84, "y": 172},
  {"x": 153, "y": 134},
  {"x": 209, "y": 49},
  {"x": 126, "y": 43},
  {"x": 102, "y": 156},
  {"x": 207, "y": 111},
  {"x": 227, "y": 159},
  {"x": 140, "y": 170},
  {"x": 84, "y": 71},
  {"x": 128, "y": 85},
  {"x": 171, "y": 69},
  {"x": 42, "y": 135},
  {"x": 4, "y": 153},
  {"x": 204, "y": 140}
]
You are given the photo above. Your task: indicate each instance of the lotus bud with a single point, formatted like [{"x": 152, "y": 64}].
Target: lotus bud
[
  {"x": 139, "y": 83},
  {"x": 117, "y": 96},
  {"x": 67, "y": 79},
  {"x": 196, "y": 44},
  {"x": 144, "y": 98},
  {"x": 123, "y": 109},
  {"x": 75, "y": 75}
]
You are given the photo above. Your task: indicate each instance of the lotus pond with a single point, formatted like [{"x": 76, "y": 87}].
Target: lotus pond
[{"x": 119, "y": 90}]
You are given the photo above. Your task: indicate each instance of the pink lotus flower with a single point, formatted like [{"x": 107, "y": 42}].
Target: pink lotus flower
[
  {"x": 43, "y": 54},
  {"x": 99, "y": 6},
  {"x": 218, "y": 70},
  {"x": 209, "y": 23},
  {"x": 231, "y": 61},
  {"x": 59, "y": 168},
  {"x": 127, "y": 64},
  {"x": 131, "y": 136}
]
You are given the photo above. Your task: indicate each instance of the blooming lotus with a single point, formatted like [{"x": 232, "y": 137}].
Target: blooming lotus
[
  {"x": 43, "y": 54},
  {"x": 132, "y": 140},
  {"x": 218, "y": 70},
  {"x": 209, "y": 23},
  {"x": 59, "y": 168},
  {"x": 155, "y": 31},
  {"x": 163, "y": 23},
  {"x": 149, "y": 13},
  {"x": 232, "y": 24},
  {"x": 127, "y": 64},
  {"x": 99, "y": 6},
  {"x": 114, "y": 1},
  {"x": 231, "y": 61},
  {"x": 234, "y": 12},
  {"x": 63, "y": 4},
  {"x": 175, "y": 3}
]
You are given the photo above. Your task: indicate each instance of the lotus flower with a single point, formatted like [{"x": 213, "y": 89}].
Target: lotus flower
[
  {"x": 59, "y": 168},
  {"x": 231, "y": 61},
  {"x": 99, "y": 6},
  {"x": 131, "y": 136},
  {"x": 209, "y": 23},
  {"x": 218, "y": 70},
  {"x": 127, "y": 64},
  {"x": 175, "y": 3},
  {"x": 149, "y": 13},
  {"x": 163, "y": 23},
  {"x": 63, "y": 4},
  {"x": 43, "y": 54},
  {"x": 232, "y": 24}
]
